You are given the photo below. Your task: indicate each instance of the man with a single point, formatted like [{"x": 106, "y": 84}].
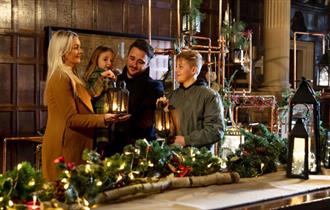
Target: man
[{"x": 143, "y": 93}]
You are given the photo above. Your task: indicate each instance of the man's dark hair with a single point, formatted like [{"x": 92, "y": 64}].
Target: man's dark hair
[{"x": 143, "y": 45}]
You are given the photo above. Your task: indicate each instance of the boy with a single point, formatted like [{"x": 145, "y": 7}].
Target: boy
[{"x": 197, "y": 110}]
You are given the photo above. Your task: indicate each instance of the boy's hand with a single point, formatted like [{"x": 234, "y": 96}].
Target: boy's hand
[
  {"x": 109, "y": 74},
  {"x": 162, "y": 102},
  {"x": 179, "y": 140}
]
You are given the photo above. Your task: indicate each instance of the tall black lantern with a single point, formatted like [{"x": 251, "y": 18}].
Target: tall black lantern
[
  {"x": 118, "y": 99},
  {"x": 297, "y": 166},
  {"x": 304, "y": 104},
  {"x": 163, "y": 123}
]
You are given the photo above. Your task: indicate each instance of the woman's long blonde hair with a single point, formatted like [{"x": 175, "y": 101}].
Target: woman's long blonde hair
[{"x": 60, "y": 44}]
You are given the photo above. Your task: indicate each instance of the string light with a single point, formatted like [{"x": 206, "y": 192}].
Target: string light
[
  {"x": 31, "y": 182},
  {"x": 19, "y": 166},
  {"x": 88, "y": 168},
  {"x": 98, "y": 183},
  {"x": 10, "y": 203},
  {"x": 122, "y": 166}
]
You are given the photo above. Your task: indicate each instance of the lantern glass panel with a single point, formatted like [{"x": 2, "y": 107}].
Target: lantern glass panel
[
  {"x": 233, "y": 139},
  {"x": 118, "y": 100},
  {"x": 323, "y": 76},
  {"x": 298, "y": 156},
  {"x": 163, "y": 123},
  {"x": 237, "y": 56}
]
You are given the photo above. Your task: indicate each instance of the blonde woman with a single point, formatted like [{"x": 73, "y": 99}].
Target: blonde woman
[{"x": 71, "y": 119}]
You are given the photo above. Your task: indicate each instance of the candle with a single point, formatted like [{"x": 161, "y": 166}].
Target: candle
[
  {"x": 298, "y": 155},
  {"x": 33, "y": 205}
]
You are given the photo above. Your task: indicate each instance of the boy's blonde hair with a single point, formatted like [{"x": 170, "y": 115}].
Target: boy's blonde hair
[{"x": 193, "y": 58}]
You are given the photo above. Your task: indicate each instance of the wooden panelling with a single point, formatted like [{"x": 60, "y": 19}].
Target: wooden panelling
[
  {"x": 6, "y": 46},
  {"x": 26, "y": 122},
  {"x": 26, "y": 47},
  {"x": 5, "y": 14},
  {"x": 6, "y": 120},
  {"x": 26, "y": 85},
  {"x": 134, "y": 17},
  {"x": 64, "y": 14},
  {"x": 6, "y": 84},
  {"x": 104, "y": 15},
  {"x": 26, "y": 14},
  {"x": 83, "y": 14}
]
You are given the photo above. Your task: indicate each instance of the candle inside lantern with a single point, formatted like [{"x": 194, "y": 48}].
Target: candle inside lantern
[{"x": 298, "y": 157}]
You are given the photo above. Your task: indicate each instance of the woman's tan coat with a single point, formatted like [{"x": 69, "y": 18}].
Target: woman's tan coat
[{"x": 70, "y": 123}]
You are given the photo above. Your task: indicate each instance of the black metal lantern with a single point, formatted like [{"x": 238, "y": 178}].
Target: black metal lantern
[
  {"x": 304, "y": 104},
  {"x": 163, "y": 123},
  {"x": 323, "y": 67},
  {"x": 297, "y": 166},
  {"x": 118, "y": 99}
]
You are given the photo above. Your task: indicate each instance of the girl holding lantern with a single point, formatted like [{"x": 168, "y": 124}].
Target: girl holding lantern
[{"x": 99, "y": 79}]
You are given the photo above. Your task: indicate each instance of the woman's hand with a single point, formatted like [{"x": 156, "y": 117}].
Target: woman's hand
[
  {"x": 109, "y": 74},
  {"x": 115, "y": 117}
]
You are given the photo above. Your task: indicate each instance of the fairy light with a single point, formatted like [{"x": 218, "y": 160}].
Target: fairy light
[
  {"x": 99, "y": 183},
  {"x": 137, "y": 151},
  {"x": 119, "y": 178},
  {"x": 150, "y": 164},
  {"x": 1, "y": 199},
  {"x": 122, "y": 166},
  {"x": 67, "y": 173},
  {"x": 10, "y": 203},
  {"x": 19, "y": 166},
  {"x": 85, "y": 202},
  {"x": 108, "y": 164},
  {"x": 31, "y": 183},
  {"x": 66, "y": 186},
  {"x": 209, "y": 165},
  {"x": 127, "y": 153},
  {"x": 88, "y": 168},
  {"x": 64, "y": 180},
  {"x": 131, "y": 176}
]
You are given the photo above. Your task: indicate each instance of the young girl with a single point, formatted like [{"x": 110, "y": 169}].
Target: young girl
[{"x": 99, "y": 79}]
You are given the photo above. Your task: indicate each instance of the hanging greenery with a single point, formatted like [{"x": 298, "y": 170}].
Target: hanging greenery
[
  {"x": 235, "y": 35},
  {"x": 259, "y": 154}
]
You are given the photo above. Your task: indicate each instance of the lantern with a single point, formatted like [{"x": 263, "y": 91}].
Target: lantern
[
  {"x": 118, "y": 99},
  {"x": 297, "y": 166},
  {"x": 233, "y": 138},
  {"x": 195, "y": 22},
  {"x": 304, "y": 103},
  {"x": 237, "y": 56},
  {"x": 163, "y": 123},
  {"x": 323, "y": 77}
]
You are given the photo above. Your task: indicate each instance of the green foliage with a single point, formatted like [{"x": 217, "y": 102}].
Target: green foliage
[
  {"x": 20, "y": 184},
  {"x": 194, "y": 10},
  {"x": 259, "y": 154},
  {"x": 234, "y": 34}
]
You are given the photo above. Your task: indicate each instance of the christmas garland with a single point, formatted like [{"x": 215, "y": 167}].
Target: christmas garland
[
  {"x": 259, "y": 154},
  {"x": 143, "y": 167}
]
